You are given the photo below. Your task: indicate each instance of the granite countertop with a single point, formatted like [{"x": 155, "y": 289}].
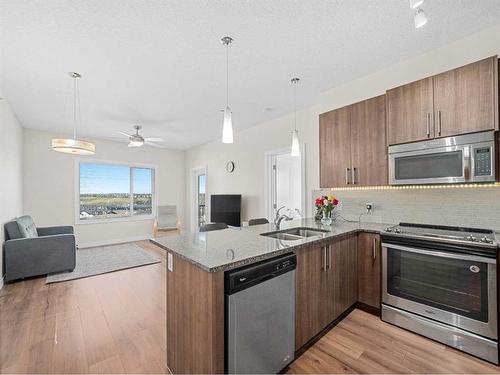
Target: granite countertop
[{"x": 225, "y": 249}]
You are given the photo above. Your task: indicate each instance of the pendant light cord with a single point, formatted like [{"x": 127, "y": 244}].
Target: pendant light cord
[
  {"x": 74, "y": 107},
  {"x": 295, "y": 105},
  {"x": 227, "y": 75}
]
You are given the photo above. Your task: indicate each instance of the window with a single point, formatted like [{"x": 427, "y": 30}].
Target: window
[{"x": 115, "y": 191}]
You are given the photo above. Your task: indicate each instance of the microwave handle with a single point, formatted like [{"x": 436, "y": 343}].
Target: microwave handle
[{"x": 467, "y": 163}]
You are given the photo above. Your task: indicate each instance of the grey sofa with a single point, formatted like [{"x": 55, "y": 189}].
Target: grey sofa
[{"x": 31, "y": 251}]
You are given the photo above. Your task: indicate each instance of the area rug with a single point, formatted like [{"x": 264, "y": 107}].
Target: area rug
[{"x": 104, "y": 259}]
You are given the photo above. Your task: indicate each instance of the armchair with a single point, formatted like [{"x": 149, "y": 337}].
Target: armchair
[{"x": 31, "y": 251}]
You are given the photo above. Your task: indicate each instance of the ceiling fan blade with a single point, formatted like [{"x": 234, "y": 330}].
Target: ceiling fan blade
[
  {"x": 153, "y": 144},
  {"x": 154, "y": 139},
  {"x": 125, "y": 134}
]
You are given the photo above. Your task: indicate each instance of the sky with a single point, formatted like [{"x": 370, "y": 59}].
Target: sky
[{"x": 113, "y": 178}]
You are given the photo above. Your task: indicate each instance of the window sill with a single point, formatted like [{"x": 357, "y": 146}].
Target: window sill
[{"x": 115, "y": 220}]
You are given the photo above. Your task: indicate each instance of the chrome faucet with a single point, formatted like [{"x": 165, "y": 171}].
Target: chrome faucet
[{"x": 279, "y": 218}]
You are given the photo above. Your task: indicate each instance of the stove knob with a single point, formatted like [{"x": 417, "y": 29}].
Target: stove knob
[
  {"x": 471, "y": 238},
  {"x": 486, "y": 240},
  {"x": 388, "y": 230},
  {"x": 397, "y": 230}
]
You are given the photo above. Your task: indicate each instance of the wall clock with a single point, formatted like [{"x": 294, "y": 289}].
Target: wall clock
[{"x": 230, "y": 166}]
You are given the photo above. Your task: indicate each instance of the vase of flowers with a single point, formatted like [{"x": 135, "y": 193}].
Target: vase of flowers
[{"x": 326, "y": 204}]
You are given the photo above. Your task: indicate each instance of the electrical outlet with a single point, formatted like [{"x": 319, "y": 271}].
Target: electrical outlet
[{"x": 369, "y": 207}]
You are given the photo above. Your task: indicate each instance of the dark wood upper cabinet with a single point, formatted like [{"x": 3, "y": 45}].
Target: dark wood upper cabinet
[
  {"x": 368, "y": 142},
  {"x": 334, "y": 147},
  {"x": 353, "y": 148},
  {"x": 369, "y": 266},
  {"x": 465, "y": 99},
  {"x": 460, "y": 101},
  {"x": 409, "y": 112}
]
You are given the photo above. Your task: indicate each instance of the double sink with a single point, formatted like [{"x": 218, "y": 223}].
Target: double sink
[{"x": 294, "y": 234}]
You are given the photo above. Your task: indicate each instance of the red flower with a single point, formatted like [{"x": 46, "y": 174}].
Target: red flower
[
  {"x": 335, "y": 201},
  {"x": 318, "y": 202}
]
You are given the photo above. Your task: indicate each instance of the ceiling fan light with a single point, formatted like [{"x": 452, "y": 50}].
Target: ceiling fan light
[
  {"x": 414, "y": 4},
  {"x": 295, "y": 144},
  {"x": 420, "y": 19},
  {"x": 136, "y": 143},
  {"x": 227, "y": 127},
  {"x": 73, "y": 146}
]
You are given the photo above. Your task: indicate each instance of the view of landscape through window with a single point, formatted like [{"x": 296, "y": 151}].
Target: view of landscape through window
[
  {"x": 113, "y": 191},
  {"x": 201, "y": 200}
]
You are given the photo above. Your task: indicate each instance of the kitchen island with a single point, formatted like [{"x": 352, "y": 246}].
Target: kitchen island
[{"x": 326, "y": 283}]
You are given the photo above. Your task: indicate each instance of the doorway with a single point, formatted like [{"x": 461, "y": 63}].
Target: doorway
[
  {"x": 284, "y": 183},
  {"x": 198, "y": 202}
]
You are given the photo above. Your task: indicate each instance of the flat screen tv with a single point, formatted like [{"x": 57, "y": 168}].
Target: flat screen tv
[{"x": 226, "y": 208}]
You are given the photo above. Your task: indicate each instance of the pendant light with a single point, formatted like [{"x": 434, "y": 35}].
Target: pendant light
[
  {"x": 420, "y": 18},
  {"x": 73, "y": 145},
  {"x": 227, "y": 126},
  {"x": 295, "y": 133}
]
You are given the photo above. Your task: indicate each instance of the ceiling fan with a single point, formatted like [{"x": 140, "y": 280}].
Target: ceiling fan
[{"x": 137, "y": 140}]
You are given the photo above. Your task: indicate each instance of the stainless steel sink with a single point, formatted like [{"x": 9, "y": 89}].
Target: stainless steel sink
[
  {"x": 294, "y": 234},
  {"x": 305, "y": 232}
]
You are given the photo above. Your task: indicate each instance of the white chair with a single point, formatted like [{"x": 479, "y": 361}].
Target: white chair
[{"x": 166, "y": 219}]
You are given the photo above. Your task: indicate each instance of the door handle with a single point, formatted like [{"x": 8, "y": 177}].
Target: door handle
[
  {"x": 439, "y": 123},
  {"x": 428, "y": 124},
  {"x": 353, "y": 176},
  {"x": 347, "y": 176},
  {"x": 374, "y": 248}
]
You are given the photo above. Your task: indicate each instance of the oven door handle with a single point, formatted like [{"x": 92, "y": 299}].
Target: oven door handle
[{"x": 441, "y": 254}]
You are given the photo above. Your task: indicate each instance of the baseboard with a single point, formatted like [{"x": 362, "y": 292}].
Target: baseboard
[
  {"x": 369, "y": 309},
  {"x": 112, "y": 242}
]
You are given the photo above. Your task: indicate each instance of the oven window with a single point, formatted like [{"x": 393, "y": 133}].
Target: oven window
[
  {"x": 453, "y": 285},
  {"x": 443, "y": 164}
]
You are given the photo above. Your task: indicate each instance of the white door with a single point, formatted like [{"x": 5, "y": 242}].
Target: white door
[{"x": 285, "y": 183}]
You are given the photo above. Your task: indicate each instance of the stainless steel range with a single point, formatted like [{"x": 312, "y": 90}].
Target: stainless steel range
[{"x": 441, "y": 282}]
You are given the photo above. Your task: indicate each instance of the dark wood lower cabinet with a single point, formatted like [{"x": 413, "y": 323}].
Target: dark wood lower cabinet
[
  {"x": 343, "y": 275},
  {"x": 311, "y": 294},
  {"x": 369, "y": 269},
  {"x": 326, "y": 285}
]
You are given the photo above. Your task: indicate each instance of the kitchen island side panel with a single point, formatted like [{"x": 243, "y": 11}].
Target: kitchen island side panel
[{"x": 195, "y": 318}]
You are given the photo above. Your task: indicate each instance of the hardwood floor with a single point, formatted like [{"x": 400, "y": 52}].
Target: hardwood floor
[
  {"x": 112, "y": 323},
  {"x": 362, "y": 343},
  {"x": 115, "y": 323}
]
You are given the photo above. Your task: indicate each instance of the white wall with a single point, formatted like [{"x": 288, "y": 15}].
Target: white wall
[
  {"x": 49, "y": 186},
  {"x": 11, "y": 164},
  {"x": 251, "y": 144}
]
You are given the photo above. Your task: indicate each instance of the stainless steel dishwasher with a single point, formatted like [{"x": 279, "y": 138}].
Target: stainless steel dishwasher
[{"x": 260, "y": 316}]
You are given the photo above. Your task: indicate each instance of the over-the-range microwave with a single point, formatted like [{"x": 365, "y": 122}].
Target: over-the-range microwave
[{"x": 461, "y": 159}]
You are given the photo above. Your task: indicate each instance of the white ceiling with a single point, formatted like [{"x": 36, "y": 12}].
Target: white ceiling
[{"x": 160, "y": 62}]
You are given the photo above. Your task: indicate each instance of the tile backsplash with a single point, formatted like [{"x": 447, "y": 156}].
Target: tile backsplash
[{"x": 477, "y": 207}]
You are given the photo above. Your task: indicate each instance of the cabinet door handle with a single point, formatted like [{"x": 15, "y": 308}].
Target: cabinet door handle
[
  {"x": 347, "y": 176},
  {"x": 329, "y": 256},
  {"x": 324, "y": 258},
  {"x": 353, "y": 176},
  {"x": 374, "y": 248},
  {"x": 439, "y": 123},
  {"x": 428, "y": 124}
]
